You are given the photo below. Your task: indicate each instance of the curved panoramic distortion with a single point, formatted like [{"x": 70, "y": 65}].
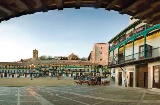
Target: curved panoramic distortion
[{"x": 146, "y": 10}]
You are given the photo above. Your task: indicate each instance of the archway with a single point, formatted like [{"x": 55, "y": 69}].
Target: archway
[{"x": 146, "y": 10}]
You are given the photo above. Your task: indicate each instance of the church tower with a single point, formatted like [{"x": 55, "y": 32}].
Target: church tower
[{"x": 35, "y": 54}]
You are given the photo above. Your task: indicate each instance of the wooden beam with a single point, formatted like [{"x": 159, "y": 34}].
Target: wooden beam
[
  {"x": 155, "y": 4},
  {"x": 26, "y": 3},
  {"x": 155, "y": 18},
  {"x": 5, "y": 11},
  {"x": 98, "y": 3},
  {"x": 59, "y": 4},
  {"x": 6, "y": 5},
  {"x": 78, "y": 4},
  {"x": 131, "y": 5},
  {"x": 147, "y": 11},
  {"x": 3, "y": 14},
  {"x": 45, "y": 9},
  {"x": 111, "y": 5}
]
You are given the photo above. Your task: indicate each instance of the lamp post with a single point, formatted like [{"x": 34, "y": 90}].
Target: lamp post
[{"x": 31, "y": 69}]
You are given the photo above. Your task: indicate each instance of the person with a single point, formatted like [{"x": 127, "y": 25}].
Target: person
[
  {"x": 124, "y": 82},
  {"x": 88, "y": 78},
  {"x": 58, "y": 77},
  {"x": 99, "y": 80}
]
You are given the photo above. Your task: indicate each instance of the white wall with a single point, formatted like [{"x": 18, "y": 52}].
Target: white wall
[
  {"x": 117, "y": 70},
  {"x": 150, "y": 73},
  {"x": 154, "y": 40},
  {"x": 131, "y": 68}
]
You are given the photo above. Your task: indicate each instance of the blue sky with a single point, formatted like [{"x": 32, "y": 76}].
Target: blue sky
[{"x": 58, "y": 33}]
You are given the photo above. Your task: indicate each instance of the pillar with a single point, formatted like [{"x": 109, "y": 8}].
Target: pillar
[
  {"x": 124, "y": 51},
  {"x": 145, "y": 55},
  {"x": 133, "y": 50}
]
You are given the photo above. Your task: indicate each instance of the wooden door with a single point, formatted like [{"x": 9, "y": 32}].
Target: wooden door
[
  {"x": 156, "y": 78},
  {"x": 143, "y": 77}
]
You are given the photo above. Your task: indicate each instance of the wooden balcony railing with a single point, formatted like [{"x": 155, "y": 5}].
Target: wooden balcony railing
[{"x": 153, "y": 53}]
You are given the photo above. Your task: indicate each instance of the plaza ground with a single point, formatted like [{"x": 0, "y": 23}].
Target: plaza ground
[
  {"x": 36, "y": 81},
  {"x": 51, "y": 91},
  {"x": 77, "y": 95}
]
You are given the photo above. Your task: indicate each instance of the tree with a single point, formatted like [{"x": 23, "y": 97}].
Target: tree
[
  {"x": 43, "y": 57},
  {"x": 49, "y": 57},
  {"x": 84, "y": 59}
]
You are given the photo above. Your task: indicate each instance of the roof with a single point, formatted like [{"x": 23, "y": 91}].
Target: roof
[
  {"x": 101, "y": 43},
  {"x": 124, "y": 30},
  {"x": 146, "y": 10}
]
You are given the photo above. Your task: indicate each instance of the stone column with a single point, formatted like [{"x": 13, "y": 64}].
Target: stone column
[
  {"x": 150, "y": 76},
  {"x": 116, "y": 76}
]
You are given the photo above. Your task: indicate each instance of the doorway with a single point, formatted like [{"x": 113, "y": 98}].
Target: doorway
[
  {"x": 120, "y": 78},
  {"x": 145, "y": 79},
  {"x": 131, "y": 79},
  {"x": 142, "y": 74},
  {"x": 156, "y": 77}
]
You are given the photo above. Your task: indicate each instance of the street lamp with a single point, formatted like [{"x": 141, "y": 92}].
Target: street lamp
[{"x": 31, "y": 69}]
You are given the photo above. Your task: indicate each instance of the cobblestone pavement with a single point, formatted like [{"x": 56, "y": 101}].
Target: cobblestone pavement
[{"x": 78, "y": 95}]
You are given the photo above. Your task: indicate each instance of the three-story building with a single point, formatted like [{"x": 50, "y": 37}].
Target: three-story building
[{"x": 135, "y": 55}]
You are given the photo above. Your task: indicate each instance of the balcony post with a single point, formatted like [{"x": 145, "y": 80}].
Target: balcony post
[
  {"x": 113, "y": 57},
  {"x": 125, "y": 36},
  {"x": 145, "y": 27},
  {"x": 145, "y": 45},
  {"x": 118, "y": 56},
  {"x": 124, "y": 51},
  {"x": 133, "y": 44},
  {"x": 132, "y": 50},
  {"x": 133, "y": 30}
]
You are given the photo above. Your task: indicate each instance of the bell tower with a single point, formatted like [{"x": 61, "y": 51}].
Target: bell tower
[{"x": 35, "y": 54}]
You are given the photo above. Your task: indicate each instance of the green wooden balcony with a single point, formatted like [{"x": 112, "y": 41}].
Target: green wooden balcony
[
  {"x": 151, "y": 55},
  {"x": 134, "y": 36}
]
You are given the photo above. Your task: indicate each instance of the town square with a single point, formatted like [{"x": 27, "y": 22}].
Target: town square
[{"x": 79, "y": 52}]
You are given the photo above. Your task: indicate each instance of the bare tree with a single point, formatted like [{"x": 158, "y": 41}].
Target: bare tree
[
  {"x": 43, "y": 57},
  {"x": 84, "y": 59},
  {"x": 49, "y": 57}
]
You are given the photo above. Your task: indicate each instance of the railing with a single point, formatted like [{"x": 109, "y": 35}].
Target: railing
[
  {"x": 155, "y": 52},
  {"x": 138, "y": 30},
  {"x": 128, "y": 58}
]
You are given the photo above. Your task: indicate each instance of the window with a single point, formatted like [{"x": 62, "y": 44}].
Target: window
[
  {"x": 100, "y": 52},
  {"x": 141, "y": 51}
]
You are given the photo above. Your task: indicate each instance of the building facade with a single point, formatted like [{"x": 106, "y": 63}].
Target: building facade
[
  {"x": 49, "y": 67},
  {"x": 135, "y": 55},
  {"x": 99, "y": 54},
  {"x": 73, "y": 57}
]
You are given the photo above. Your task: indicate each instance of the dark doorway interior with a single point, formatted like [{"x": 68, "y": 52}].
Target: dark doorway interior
[
  {"x": 145, "y": 79},
  {"x": 131, "y": 79},
  {"x": 120, "y": 78}
]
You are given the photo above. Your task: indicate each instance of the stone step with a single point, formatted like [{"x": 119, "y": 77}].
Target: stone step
[{"x": 155, "y": 89}]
